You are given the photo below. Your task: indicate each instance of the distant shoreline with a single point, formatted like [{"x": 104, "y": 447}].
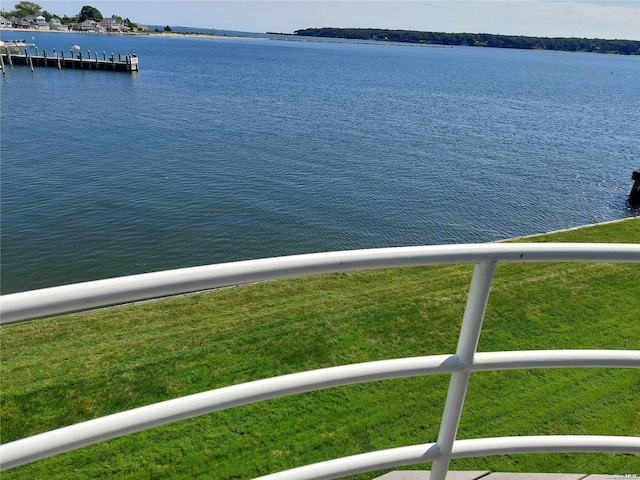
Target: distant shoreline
[
  {"x": 518, "y": 42},
  {"x": 398, "y": 37},
  {"x": 214, "y": 36}
]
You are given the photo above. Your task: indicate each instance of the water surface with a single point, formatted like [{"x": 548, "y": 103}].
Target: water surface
[{"x": 222, "y": 150}]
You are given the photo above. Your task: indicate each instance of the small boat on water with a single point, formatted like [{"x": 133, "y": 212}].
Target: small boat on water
[{"x": 14, "y": 47}]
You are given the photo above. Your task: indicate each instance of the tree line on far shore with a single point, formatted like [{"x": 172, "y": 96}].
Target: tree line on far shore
[{"x": 624, "y": 47}]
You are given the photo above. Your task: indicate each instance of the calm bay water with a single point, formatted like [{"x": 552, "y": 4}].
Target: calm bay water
[{"x": 223, "y": 150}]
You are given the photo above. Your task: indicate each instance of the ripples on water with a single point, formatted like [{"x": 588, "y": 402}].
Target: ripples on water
[{"x": 221, "y": 150}]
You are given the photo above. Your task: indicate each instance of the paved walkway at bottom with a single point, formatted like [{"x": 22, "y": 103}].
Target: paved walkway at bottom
[{"x": 484, "y": 475}]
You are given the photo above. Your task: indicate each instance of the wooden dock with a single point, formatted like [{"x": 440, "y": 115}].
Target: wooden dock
[{"x": 123, "y": 62}]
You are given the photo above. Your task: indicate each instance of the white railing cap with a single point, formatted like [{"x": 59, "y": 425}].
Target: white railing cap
[{"x": 23, "y": 306}]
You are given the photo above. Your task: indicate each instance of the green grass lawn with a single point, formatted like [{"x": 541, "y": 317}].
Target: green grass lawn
[{"x": 60, "y": 371}]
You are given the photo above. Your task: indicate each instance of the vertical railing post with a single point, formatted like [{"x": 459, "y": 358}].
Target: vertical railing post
[{"x": 467, "y": 345}]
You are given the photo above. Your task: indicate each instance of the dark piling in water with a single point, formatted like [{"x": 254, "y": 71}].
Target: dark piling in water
[{"x": 634, "y": 196}]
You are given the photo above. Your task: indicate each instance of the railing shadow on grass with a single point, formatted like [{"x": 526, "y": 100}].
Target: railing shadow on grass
[{"x": 34, "y": 304}]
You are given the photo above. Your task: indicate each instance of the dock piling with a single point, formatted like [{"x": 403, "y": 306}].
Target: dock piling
[
  {"x": 2, "y": 63},
  {"x": 634, "y": 196}
]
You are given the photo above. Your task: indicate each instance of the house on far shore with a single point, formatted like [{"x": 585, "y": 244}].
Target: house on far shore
[
  {"x": 111, "y": 25},
  {"x": 4, "y": 23},
  {"x": 37, "y": 22},
  {"x": 88, "y": 26},
  {"x": 57, "y": 26}
]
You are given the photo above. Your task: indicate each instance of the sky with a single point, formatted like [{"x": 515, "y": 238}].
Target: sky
[{"x": 545, "y": 18}]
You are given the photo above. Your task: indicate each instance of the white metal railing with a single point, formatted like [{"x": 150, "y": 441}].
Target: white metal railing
[{"x": 23, "y": 306}]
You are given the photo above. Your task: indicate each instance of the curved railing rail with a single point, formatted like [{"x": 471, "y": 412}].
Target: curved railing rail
[{"x": 51, "y": 301}]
